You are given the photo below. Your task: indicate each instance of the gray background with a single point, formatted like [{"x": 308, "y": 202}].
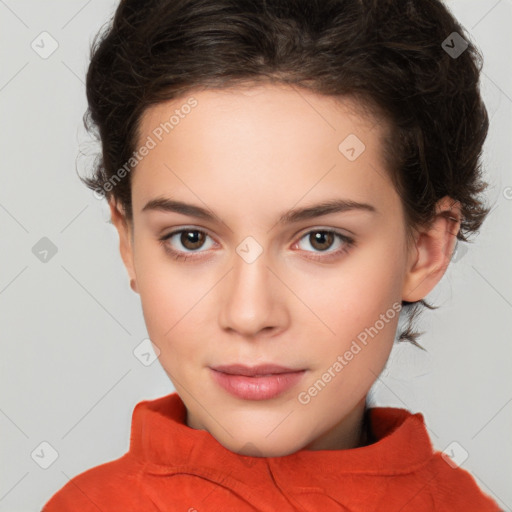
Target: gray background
[{"x": 70, "y": 325}]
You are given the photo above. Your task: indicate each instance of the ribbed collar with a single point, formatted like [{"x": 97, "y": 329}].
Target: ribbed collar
[{"x": 162, "y": 441}]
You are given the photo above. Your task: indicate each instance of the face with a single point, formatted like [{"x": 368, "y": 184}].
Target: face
[{"x": 230, "y": 272}]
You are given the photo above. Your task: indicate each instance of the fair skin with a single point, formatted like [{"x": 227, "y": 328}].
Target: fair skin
[{"x": 248, "y": 155}]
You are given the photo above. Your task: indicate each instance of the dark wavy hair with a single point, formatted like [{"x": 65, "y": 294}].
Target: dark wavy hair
[{"x": 389, "y": 55}]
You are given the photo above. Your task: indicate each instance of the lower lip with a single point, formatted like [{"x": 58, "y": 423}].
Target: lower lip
[{"x": 257, "y": 388}]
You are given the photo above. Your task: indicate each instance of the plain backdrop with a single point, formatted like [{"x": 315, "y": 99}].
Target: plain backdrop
[{"x": 69, "y": 325}]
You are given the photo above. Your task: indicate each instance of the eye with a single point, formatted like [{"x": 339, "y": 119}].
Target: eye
[
  {"x": 190, "y": 239},
  {"x": 323, "y": 239}
]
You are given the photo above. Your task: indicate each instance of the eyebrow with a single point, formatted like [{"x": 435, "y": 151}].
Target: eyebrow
[{"x": 289, "y": 217}]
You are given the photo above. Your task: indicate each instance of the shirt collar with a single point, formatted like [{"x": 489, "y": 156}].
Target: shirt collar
[{"x": 165, "y": 444}]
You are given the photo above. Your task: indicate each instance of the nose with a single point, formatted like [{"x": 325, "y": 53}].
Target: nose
[{"x": 252, "y": 299}]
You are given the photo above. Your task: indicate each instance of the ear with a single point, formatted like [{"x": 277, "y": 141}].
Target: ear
[
  {"x": 432, "y": 251},
  {"x": 125, "y": 231}
]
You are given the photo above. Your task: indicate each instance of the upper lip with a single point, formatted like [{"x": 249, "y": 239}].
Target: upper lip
[{"x": 252, "y": 371}]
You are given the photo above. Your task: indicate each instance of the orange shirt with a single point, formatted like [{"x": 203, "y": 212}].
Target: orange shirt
[{"x": 172, "y": 467}]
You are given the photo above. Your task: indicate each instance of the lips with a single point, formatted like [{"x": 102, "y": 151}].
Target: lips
[
  {"x": 261, "y": 382},
  {"x": 254, "y": 371}
]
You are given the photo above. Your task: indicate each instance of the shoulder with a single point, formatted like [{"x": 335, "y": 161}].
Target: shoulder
[
  {"x": 120, "y": 484},
  {"x": 114, "y": 485},
  {"x": 454, "y": 488},
  {"x": 429, "y": 479}
]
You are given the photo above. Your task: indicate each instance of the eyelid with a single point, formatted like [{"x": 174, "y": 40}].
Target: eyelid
[{"x": 337, "y": 231}]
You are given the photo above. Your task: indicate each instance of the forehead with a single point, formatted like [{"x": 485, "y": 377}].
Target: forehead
[
  {"x": 277, "y": 140},
  {"x": 279, "y": 105}
]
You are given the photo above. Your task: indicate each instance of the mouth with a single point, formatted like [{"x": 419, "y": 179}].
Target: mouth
[{"x": 261, "y": 382}]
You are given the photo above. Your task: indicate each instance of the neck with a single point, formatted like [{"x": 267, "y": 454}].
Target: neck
[{"x": 351, "y": 432}]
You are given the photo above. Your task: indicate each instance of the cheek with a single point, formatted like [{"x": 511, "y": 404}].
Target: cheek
[
  {"x": 168, "y": 292},
  {"x": 352, "y": 296},
  {"x": 360, "y": 304},
  {"x": 362, "y": 309},
  {"x": 172, "y": 310}
]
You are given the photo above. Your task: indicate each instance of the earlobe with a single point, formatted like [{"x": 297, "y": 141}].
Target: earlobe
[
  {"x": 432, "y": 251},
  {"x": 122, "y": 225}
]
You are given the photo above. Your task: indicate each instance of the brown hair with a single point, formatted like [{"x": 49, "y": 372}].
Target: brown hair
[{"x": 392, "y": 56}]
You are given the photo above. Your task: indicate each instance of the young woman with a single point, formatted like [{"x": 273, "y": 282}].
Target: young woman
[{"x": 287, "y": 178}]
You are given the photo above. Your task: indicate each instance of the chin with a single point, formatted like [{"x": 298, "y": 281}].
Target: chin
[
  {"x": 260, "y": 446},
  {"x": 257, "y": 450}
]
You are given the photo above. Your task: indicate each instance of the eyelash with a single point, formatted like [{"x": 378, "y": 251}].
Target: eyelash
[{"x": 348, "y": 243}]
